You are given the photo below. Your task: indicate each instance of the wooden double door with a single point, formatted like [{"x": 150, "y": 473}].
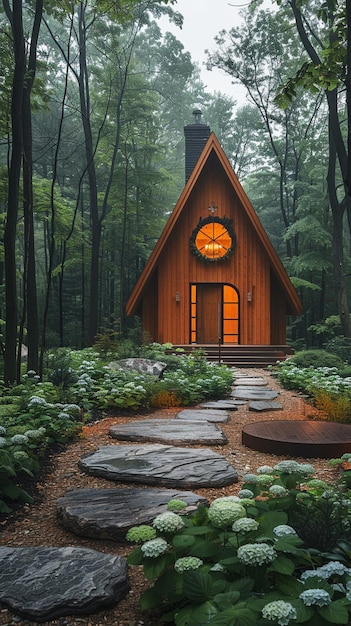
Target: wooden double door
[{"x": 215, "y": 313}]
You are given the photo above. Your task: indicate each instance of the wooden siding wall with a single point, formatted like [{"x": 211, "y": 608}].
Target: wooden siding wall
[
  {"x": 149, "y": 311},
  {"x": 248, "y": 269},
  {"x": 278, "y": 315}
]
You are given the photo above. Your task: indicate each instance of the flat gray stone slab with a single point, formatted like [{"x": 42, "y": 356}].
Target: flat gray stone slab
[
  {"x": 169, "y": 431},
  {"x": 250, "y": 381},
  {"x": 265, "y": 406},
  {"x": 203, "y": 415},
  {"x": 43, "y": 583},
  {"x": 156, "y": 464},
  {"x": 229, "y": 405},
  {"x": 254, "y": 393},
  {"x": 109, "y": 513}
]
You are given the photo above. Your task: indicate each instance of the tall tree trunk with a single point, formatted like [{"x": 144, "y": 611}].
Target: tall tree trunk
[
  {"x": 84, "y": 97},
  {"x": 16, "y": 19},
  {"x": 338, "y": 211},
  {"x": 30, "y": 306},
  {"x": 337, "y": 151}
]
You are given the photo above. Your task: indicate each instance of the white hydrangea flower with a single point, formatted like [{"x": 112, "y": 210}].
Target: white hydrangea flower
[
  {"x": 246, "y": 493},
  {"x": 333, "y": 568},
  {"x": 217, "y": 567},
  {"x": 3, "y": 442},
  {"x": 250, "y": 478},
  {"x": 72, "y": 408},
  {"x": 307, "y": 469},
  {"x": 20, "y": 455},
  {"x": 256, "y": 554},
  {"x": 223, "y": 513},
  {"x": 287, "y": 467},
  {"x": 279, "y": 611},
  {"x": 278, "y": 490},
  {"x": 168, "y": 522},
  {"x": 186, "y": 563},
  {"x": 154, "y": 547},
  {"x": 315, "y": 597},
  {"x": 265, "y": 469},
  {"x": 19, "y": 439},
  {"x": 2, "y": 430},
  {"x": 36, "y": 401},
  {"x": 33, "y": 434},
  {"x": 245, "y": 524},
  {"x": 264, "y": 480},
  {"x": 283, "y": 529},
  {"x": 225, "y": 499}
]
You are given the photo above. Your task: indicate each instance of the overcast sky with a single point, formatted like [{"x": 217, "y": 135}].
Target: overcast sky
[{"x": 203, "y": 20}]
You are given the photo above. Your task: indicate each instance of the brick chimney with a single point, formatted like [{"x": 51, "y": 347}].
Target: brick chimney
[{"x": 196, "y": 136}]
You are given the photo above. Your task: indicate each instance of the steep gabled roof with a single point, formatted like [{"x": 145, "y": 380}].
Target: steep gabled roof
[{"x": 213, "y": 145}]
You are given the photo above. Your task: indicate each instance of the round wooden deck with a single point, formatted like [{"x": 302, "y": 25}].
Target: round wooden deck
[{"x": 299, "y": 438}]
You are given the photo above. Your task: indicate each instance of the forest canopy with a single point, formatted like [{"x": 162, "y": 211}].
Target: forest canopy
[{"x": 94, "y": 98}]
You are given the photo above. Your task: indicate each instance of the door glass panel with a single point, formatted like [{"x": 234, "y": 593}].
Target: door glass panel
[{"x": 230, "y": 314}]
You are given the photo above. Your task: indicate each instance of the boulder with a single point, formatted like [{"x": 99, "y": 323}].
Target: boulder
[
  {"x": 143, "y": 366},
  {"x": 43, "y": 583}
]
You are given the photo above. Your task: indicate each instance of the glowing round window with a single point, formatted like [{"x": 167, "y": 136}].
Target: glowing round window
[{"x": 213, "y": 239}]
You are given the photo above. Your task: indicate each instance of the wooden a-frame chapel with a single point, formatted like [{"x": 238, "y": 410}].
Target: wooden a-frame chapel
[{"x": 214, "y": 278}]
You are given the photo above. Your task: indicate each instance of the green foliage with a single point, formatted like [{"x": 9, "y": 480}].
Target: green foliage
[
  {"x": 32, "y": 417},
  {"x": 322, "y": 521},
  {"x": 341, "y": 346},
  {"x": 328, "y": 387},
  {"x": 247, "y": 562},
  {"x": 60, "y": 369},
  {"x": 316, "y": 358}
]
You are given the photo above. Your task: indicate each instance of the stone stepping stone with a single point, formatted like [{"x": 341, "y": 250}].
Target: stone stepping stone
[
  {"x": 254, "y": 393},
  {"x": 44, "y": 583},
  {"x": 156, "y": 464},
  {"x": 250, "y": 381},
  {"x": 109, "y": 513},
  {"x": 203, "y": 416},
  {"x": 265, "y": 406},
  {"x": 229, "y": 405},
  {"x": 171, "y": 431}
]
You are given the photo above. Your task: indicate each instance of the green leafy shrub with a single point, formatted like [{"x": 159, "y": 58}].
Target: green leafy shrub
[
  {"x": 316, "y": 358},
  {"x": 242, "y": 562},
  {"x": 61, "y": 373},
  {"x": 34, "y": 405}
]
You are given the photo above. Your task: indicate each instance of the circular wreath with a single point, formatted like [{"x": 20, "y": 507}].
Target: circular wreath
[{"x": 228, "y": 225}]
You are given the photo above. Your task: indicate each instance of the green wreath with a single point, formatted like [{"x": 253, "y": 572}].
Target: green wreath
[{"x": 227, "y": 223}]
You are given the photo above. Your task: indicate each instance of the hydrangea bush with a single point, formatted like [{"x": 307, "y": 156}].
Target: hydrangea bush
[
  {"x": 77, "y": 383},
  {"x": 328, "y": 389},
  {"x": 240, "y": 561}
]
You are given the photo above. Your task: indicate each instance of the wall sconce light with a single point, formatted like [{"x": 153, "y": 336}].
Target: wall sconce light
[
  {"x": 177, "y": 296},
  {"x": 249, "y": 296}
]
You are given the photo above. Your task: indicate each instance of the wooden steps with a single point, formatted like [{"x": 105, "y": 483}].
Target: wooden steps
[{"x": 235, "y": 355}]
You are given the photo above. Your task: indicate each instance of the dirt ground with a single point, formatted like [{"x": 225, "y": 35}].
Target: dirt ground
[{"x": 36, "y": 524}]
